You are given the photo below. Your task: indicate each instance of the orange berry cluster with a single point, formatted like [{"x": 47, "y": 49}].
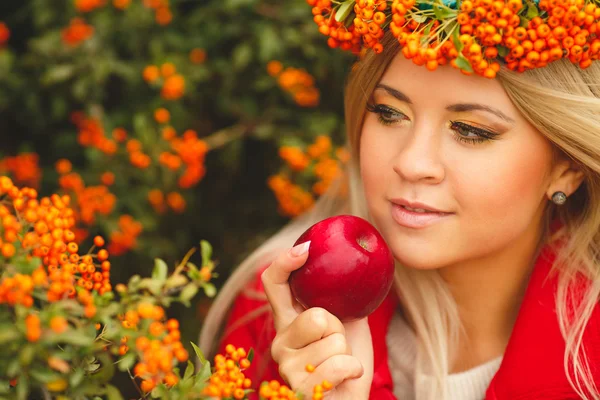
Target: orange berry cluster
[
  {"x": 192, "y": 152},
  {"x": 159, "y": 201},
  {"x": 297, "y": 82},
  {"x": 228, "y": 379},
  {"x": 4, "y": 33},
  {"x": 23, "y": 167},
  {"x": 370, "y": 18},
  {"x": 137, "y": 157},
  {"x": 573, "y": 29},
  {"x": 296, "y": 159},
  {"x": 91, "y": 200},
  {"x": 480, "y": 33},
  {"x": 322, "y": 161},
  {"x": 91, "y": 134},
  {"x": 162, "y": 12},
  {"x": 17, "y": 289},
  {"x": 125, "y": 238},
  {"x": 85, "y": 6},
  {"x": 160, "y": 351},
  {"x": 347, "y": 38},
  {"x": 43, "y": 228},
  {"x": 426, "y": 43},
  {"x": 173, "y": 84},
  {"x": 77, "y": 32},
  {"x": 293, "y": 199},
  {"x": 274, "y": 390}
]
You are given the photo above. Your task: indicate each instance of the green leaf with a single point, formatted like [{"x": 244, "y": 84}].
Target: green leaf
[
  {"x": 127, "y": 361},
  {"x": 503, "y": 51},
  {"x": 455, "y": 39},
  {"x": 241, "y": 56},
  {"x": 57, "y": 74},
  {"x": 189, "y": 370},
  {"x": 188, "y": 292},
  {"x": 175, "y": 281},
  {"x": 344, "y": 11},
  {"x": 209, "y": 289},
  {"x": 441, "y": 12},
  {"x": 463, "y": 63},
  {"x": 76, "y": 378},
  {"x": 8, "y": 333},
  {"x": 27, "y": 354},
  {"x": 198, "y": 353},
  {"x": 43, "y": 375},
  {"x": 106, "y": 372},
  {"x": 419, "y": 18},
  {"x": 250, "y": 354},
  {"x": 75, "y": 338},
  {"x": 206, "y": 250},
  {"x": 269, "y": 42},
  {"x": 154, "y": 286},
  {"x": 112, "y": 393},
  {"x": 205, "y": 372},
  {"x": 160, "y": 392},
  {"x": 160, "y": 270},
  {"x": 532, "y": 11}
]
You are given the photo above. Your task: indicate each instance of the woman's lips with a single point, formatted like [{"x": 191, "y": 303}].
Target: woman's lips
[{"x": 412, "y": 219}]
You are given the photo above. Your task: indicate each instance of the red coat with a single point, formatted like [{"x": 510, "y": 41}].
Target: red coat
[{"x": 532, "y": 367}]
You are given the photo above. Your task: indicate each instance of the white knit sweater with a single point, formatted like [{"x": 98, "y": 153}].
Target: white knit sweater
[{"x": 467, "y": 385}]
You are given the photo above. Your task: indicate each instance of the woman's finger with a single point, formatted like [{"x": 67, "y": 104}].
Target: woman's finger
[
  {"x": 275, "y": 282},
  {"x": 310, "y": 326},
  {"x": 335, "y": 370},
  {"x": 294, "y": 367}
]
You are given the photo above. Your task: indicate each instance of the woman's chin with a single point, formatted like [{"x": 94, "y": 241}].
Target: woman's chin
[{"x": 415, "y": 257}]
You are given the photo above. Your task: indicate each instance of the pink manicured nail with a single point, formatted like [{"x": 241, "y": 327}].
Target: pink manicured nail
[{"x": 300, "y": 249}]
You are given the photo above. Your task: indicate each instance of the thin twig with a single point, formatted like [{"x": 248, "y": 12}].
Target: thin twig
[{"x": 224, "y": 136}]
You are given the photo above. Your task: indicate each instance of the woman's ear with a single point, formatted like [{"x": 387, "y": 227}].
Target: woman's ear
[{"x": 566, "y": 176}]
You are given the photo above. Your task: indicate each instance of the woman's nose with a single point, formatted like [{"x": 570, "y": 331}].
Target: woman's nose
[{"x": 419, "y": 157}]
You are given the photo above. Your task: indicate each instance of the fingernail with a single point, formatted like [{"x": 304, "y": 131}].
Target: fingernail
[{"x": 300, "y": 249}]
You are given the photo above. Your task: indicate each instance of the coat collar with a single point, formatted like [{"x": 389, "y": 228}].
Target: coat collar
[{"x": 532, "y": 365}]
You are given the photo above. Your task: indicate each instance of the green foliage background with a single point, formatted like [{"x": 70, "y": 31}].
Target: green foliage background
[{"x": 42, "y": 81}]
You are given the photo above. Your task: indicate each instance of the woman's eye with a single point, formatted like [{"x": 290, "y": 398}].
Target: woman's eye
[
  {"x": 386, "y": 115},
  {"x": 470, "y": 134}
]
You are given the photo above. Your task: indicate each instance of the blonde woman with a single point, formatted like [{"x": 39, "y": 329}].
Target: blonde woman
[{"x": 488, "y": 193}]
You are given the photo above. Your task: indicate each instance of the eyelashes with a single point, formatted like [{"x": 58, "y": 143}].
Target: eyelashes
[{"x": 389, "y": 116}]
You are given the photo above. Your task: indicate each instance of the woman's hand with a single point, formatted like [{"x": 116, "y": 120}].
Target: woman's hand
[{"x": 342, "y": 353}]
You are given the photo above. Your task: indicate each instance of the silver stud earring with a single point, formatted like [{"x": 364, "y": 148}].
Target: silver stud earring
[{"x": 559, "y": 198}]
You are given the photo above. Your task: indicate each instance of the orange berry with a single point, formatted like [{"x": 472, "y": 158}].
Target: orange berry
[
  {"x": 171, "y": 379},
  {"x": 103, "y": 255},
  {"x": 151, "y": 73},
  {"x": 59, "y": 324},
  {"x": 167, "y": 69},
  {"x": 8, "y": 250},
  {"x": 172, "y": 324},
  {"x": 181, "y": 355},
  {"x": 310, "y": 368},
  {"x": 147, "y": 386},
  {"x": 162, "y": 115},
  {"x": 90, "y": 311}
]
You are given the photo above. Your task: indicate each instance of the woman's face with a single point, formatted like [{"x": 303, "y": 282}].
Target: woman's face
[{"x": 457, "y": 144}]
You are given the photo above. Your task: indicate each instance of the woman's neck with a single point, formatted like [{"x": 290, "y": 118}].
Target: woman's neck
[{"x": 488, "y": 294}]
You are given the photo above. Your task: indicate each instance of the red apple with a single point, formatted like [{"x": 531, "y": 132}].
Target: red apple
[{"x": 349, "y": 270}]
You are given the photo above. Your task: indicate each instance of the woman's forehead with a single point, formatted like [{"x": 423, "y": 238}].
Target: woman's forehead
[{"x": 444, "y": 86}]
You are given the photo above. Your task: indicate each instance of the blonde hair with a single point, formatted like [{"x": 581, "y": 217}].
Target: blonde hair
[{"x": 563, "y": 103}]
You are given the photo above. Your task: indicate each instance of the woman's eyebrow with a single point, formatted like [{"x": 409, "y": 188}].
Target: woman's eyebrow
[
  {"x": 461, "y": 107},
  {"x": 464, "y": 107}
]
